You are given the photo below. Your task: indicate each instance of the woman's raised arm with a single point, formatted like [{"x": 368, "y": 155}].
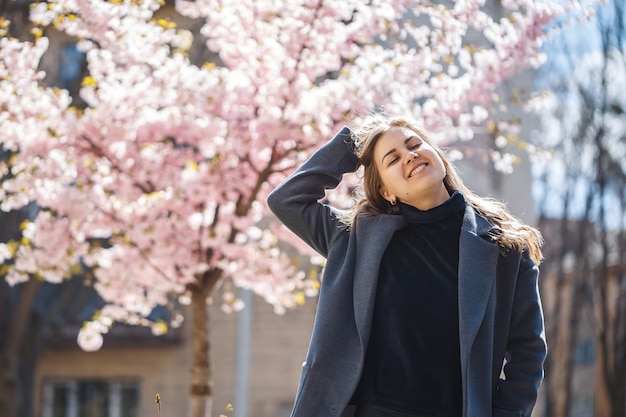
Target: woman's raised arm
[{"x": 295, "y": 202}]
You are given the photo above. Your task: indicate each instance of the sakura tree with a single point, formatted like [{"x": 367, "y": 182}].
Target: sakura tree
[{"x": 159, "y": 184}]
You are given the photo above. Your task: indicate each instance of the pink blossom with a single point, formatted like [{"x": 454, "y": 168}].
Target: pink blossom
[{"x": 170, "y": 162}]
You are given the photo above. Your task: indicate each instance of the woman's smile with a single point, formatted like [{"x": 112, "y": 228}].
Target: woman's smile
[{"x": 420, "y": 166}]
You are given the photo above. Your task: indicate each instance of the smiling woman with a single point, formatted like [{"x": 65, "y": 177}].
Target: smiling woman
[
  {"x": 428, "y": 288},
  {"x": 379, "y": 128}
]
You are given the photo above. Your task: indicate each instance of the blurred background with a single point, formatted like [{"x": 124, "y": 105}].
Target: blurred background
[{"x": 572, "y": 187}]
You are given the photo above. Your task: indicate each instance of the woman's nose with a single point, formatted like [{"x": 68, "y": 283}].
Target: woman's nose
[{"x": 411, "y": 155}]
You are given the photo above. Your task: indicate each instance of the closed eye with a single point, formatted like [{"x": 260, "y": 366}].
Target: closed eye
[
  {"x": 415, "y": 145},
  {"x": 411, "y": 143}
]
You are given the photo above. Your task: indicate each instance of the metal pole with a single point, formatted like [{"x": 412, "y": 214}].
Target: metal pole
[{"x": 242, "y": 372}]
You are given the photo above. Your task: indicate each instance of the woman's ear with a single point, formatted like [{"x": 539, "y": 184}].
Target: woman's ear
[{"x": 387, "y": 195}]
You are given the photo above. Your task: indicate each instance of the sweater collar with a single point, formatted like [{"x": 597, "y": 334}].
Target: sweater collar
[{"x": 453, "y": 205}]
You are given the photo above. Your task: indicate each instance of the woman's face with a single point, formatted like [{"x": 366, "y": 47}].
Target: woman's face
[{"x": 410, "y": 169}]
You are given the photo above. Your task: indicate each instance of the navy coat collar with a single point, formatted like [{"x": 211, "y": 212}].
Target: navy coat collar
[{"x": 477, "y": 270}]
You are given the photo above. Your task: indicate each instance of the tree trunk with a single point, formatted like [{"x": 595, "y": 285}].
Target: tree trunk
[
  {"x": 602, "y": 399},
  {"x": 565, "y": 362},
  {"x": 13, "y": 393},
  {"x": 201, "y": 372}
]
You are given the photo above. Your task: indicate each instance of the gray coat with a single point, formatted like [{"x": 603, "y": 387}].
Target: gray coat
[{"x": 500, "y": 315}]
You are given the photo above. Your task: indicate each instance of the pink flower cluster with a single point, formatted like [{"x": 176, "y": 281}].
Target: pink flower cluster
[{"x": 163, "y": 177}]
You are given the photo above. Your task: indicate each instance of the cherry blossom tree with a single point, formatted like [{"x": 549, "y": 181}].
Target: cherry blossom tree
[{"x": 158, "y": 185}]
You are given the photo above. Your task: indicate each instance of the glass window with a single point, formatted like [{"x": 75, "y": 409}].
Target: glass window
[
  {"x": 585, "y": 352},
  {"x": 91, "y": 398},
  {"x": 59, "y": 407},
  {"x": 583, "y": 406},
  {"x": 72, "y": 68},
  {"x": 129, "y": 394}
]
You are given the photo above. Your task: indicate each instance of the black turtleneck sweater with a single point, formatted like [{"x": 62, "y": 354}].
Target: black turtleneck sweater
[{"x": 412, "y": 362}]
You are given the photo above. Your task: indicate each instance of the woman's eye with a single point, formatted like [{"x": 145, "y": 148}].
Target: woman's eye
[{"x": 416, "y": 145}]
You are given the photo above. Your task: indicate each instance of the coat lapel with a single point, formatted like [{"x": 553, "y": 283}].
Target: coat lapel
[
  {"x": 373, "y": 236},
  {"x": 477, "y": 271}
]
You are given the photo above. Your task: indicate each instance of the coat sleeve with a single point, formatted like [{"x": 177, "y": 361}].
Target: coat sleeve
[
  {"x": 295, "y": 202},
  {"x": 526, "y": 348}
]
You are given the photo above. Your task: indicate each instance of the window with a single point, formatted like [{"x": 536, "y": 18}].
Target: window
[
  {"x": 585, "y": 352},
  {"x": 72, "y": 69},
  {"x": 91, "y": 398},
  {"x": 582, "y": 406}
]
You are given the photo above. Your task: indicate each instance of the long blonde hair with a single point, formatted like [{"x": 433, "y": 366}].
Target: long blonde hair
[{"x": 510, "y": 233}]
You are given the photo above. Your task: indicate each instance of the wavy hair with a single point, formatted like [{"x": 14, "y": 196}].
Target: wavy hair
[{"x": 510, "y": 233}]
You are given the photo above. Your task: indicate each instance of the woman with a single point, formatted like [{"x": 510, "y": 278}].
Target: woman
[{"x": 429, "y": 304}]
